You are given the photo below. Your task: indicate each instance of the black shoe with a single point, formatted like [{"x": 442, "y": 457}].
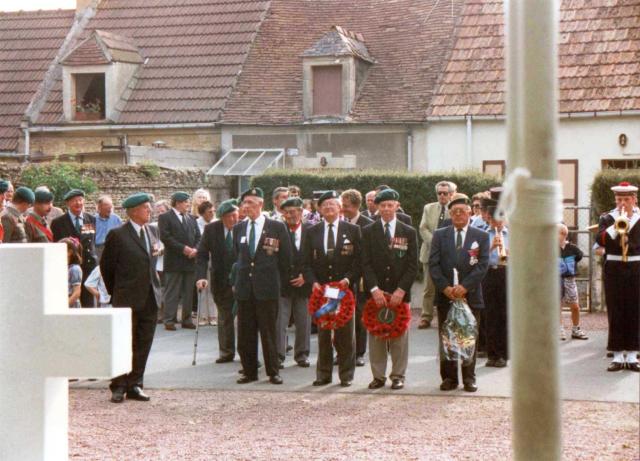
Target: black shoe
[
  {"x": 246, "y": 379},
  {"x": 490, "y": 363},
  {"x": 376, "y": 383},
  {"x": 500, "y": 363},
  {"x": 275, "y": 379},
  {"x": 321, "y": 382},
  {"x": 470, "y": 387},
  {"x": 136, "y": 393},
  {"x": 448, "y": 385},
  {"x": 304, "y": 363},
  {"x": 609, "y": 355},
  {"x": 345, "y": 383},
  {"x": 360, "y": 361},
  {"x": 633, "y": 367},
  {"x": 224, "y": 360},
  {"x": 397, "y": 383},
  {"x": 117, "y": 395},
  {"x": 189, "y": 325},
  {"x": 616, "y": 366}
]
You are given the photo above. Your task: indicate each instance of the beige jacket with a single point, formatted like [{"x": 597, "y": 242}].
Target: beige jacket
[{"x": 428, "y": 224}]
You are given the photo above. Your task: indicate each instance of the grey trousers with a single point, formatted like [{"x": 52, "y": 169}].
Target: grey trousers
[
  {"x": 429, "y": 295},
  {"x": 302, "y": 322},
  {"x": 226, "y": 329},
  {"x": 179, "y": 287},
  {"x": 398, "y": 348},
  {"x": 345, "y": 344}
]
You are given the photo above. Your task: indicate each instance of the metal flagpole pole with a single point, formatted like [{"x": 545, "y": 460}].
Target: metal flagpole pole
[{"x": 532, "y": 201}]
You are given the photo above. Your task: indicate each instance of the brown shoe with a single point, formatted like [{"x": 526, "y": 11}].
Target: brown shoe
[
  {"x": 424, "y": 324},
  {"x": 189, "y": 325},
  {"x": 169, "y": 326}
]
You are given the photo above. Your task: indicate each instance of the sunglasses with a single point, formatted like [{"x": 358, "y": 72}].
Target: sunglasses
[
  {"x": 443, "y": 193},
  {"x": 475, "y": 205}
]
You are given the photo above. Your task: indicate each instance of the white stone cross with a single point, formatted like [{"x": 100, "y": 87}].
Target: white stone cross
[{"x": 42, "y": 344}]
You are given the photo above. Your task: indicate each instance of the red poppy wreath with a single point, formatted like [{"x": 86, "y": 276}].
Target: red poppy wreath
[
  {"x": 386, "y": 322},
  {"x": 331, "y": 314}
]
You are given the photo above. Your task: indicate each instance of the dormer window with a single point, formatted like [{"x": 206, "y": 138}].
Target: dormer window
[
  {"x": 95, "y": 77},
  {"x": 89, "y": 96},
  {"x": 333, "y": 72}
]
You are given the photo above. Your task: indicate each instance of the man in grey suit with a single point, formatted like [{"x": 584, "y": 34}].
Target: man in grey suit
[
  {"x": 466, "y": 249},
  {"x": 433, "y": 216}
]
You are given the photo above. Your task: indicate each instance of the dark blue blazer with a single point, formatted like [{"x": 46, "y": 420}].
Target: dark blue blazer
[
  {"x": 444, "y": 258},
  {"x": 212, "y": 248},
  {"x": 175, "y": 237},
  {"x": 264, "y": 274}
]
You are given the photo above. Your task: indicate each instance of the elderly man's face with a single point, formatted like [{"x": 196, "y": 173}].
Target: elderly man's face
[
  {"x": 8, "y": 195},
  {"x": 293, "y": 215},
  {"x": 371, "y": 204},
  {"x": 281, "y": 197},
  {"x": 230, "y": 219},
  {"x": 387, "y": 209},
  {"x": 182, "y": 207},
  {"x": 105, "y": 208},
  {"x": 330, "y": 209},
  {"x": 252, "y": 207},
  {"x": 76, "y": 205},
  {"x": 460, "y": 214},
  {"x": 140, "y": 214},
  {"x": 443, "y": 195}
]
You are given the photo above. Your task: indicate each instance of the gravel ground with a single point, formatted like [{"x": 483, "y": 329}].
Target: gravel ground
[{"x": 241, "y": 425}]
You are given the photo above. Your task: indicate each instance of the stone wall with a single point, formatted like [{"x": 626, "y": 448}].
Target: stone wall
[{"x": 121, "y": 181}]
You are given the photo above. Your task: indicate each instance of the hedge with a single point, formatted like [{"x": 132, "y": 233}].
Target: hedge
[
  {"x": 415, "y": 189},
  {"x": 59, "y": 177},
  {"x": 601, "y": 194}
]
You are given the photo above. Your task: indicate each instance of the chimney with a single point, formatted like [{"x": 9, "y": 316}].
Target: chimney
[{"x": 82, "y": 5}]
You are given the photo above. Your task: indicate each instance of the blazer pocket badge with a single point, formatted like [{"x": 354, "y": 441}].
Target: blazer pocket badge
[
  {"x": 474, "y": 251},
  {"x": 347, "y": 248},
  {"x": 271, "y": 245}
]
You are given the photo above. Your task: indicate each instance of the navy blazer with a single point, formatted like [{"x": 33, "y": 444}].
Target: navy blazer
[
  {"x": 63, "y": 226},
  {"x": 297, "y": 266},
  {"x": 444, "y": 258},
  {"x": 175, "y": 237},
  {"x": 264, "y": 274},
  {"x": 212, "y": 248}
]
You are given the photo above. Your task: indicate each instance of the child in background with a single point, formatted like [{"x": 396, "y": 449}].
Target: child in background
[
  {"x": 74, "y": 259},
  {"x": 95, "y": 285},
  {"x": 570, "y": 255}
]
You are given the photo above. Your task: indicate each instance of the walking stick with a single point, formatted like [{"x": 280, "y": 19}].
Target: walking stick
[{"x": 195, "y": 341}]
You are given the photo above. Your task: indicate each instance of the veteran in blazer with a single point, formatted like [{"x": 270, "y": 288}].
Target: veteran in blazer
[
  {"x": 434, "y": 216},
  {"x": 216, "y": 246},
  {"x": 263, "y": 260},
  {"x": 390, "y": 265},
  {"x": 180, "y": 235},
  {"x": 128, "y": 268},
  {"x": 76, "y": 223},
  {"x": 466, "y": 249},
  {"x": 332, "y": 254}
]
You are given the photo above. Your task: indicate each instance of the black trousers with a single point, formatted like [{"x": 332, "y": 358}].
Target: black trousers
[
  {"x": 258, "y": 316},
  {"x": 226, "y": 329},
  {"x": 449, "y": 368},
  {"x": 344, "y": 342},
  {"x": 86, "y": 298},
  {"x": 622, "y": 293},
  {"x": 361, "y": 331},
  {"x": 143, "y": 327},
  {"x": 494, "y": 289}
]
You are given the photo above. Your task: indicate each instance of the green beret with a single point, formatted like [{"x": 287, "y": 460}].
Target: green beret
[
  {"x": 43, "y": 196},
  {"x": 293, "y": 201},
  {"x": 253, "y": 192},
  {"x": 226, "y": 207},
  {"x": 385, "y": 195},
  {"x": 73, "y": 193},
  {"x": 180, "y": 196},
  {"x": 327, "y": 195},
  {"x": 458, "y": 199},
  {"x": 4, "y": 186},
  {"x": 136, "y": 199},
  {"x": 25, "y": 194}
]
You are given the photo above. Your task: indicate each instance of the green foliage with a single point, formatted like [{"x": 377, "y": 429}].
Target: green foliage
[
  {"x": 149, "y": 169},
  {"x": 59, "y": 177},
  {"x": 415, "y": 189},
  {"x": 602, "y": 198}
]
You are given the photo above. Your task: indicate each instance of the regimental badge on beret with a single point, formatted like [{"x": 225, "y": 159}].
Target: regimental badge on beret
[
  {"x": 327, "y": 195},
  {"x": 73, "y": 193},
  {"x": 4, "y": 186},
  {"x": 458, "y": 199},
  {"x": 226, "y": 207},
  {"x": 386, "y": 194},
  {"x": 136, "y": 199},
  {"x": 25, "y": 194},
  {"x": 253, "y": 192},
  {"x": 295, "y": 202},
  {"x": 180, "y": 196},
  {"x": 624, "y": 188},
  {"x": 43, "y": 196}
]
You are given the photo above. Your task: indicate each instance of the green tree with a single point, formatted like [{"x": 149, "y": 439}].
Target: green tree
[{"x": 58, "y": 177}]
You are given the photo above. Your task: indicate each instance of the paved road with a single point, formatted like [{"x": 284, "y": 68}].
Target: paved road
[{"x": 583, "y": 370}]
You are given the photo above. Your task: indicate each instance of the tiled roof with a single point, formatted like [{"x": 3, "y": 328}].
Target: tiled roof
[
  {"x": 340, "y": 42},
  {"x": 103, "y": 48},
  {"x": 28, "y": 43},
  {"x": 599, "y": 61},
  {"x": 408, "y": 39},
  {"x": 195, "y": 51}
]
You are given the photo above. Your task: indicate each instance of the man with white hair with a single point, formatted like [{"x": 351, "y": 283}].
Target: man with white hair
[{"x": 106, "y": 220}]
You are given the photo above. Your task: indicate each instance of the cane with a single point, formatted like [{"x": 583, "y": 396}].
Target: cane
[{"x": 195, "y": 341}]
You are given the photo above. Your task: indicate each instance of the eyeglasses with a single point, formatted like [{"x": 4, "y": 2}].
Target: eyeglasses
[
  {"x": 443, "y": 193},
  {"x": 457, "y": 211},
  {"x": 476, "y": 205}
]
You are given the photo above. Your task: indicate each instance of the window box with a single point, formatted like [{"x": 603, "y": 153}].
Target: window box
[{"x": 88, "y": 116}]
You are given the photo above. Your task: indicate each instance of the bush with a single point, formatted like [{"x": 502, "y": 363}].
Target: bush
[
  {"x": 58, "y": 177},
  {"x": 415, "y": 189},
  {"x": 602, "y": 198}
]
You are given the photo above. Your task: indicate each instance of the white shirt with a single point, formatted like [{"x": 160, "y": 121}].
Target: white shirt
[
  {"x": 201, "y": 223},
  {"x": 326, "y": 234},
  {"x": 297, "y": 236},
  {"x": 354, "y": 220},
  {"x": 392, "y": 226},
  {"x": 73, "y": 218},
  {"x": 137, "y": 228},
  {"x": 259, "y": 225},
  {"x": 464, "y": 234},
  {"x": 179, "y": 215}
]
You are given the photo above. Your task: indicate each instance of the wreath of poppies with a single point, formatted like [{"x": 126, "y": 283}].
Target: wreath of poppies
[
  {"x": 386, "y": 322},
  {"x": 338, "y": 317}
]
